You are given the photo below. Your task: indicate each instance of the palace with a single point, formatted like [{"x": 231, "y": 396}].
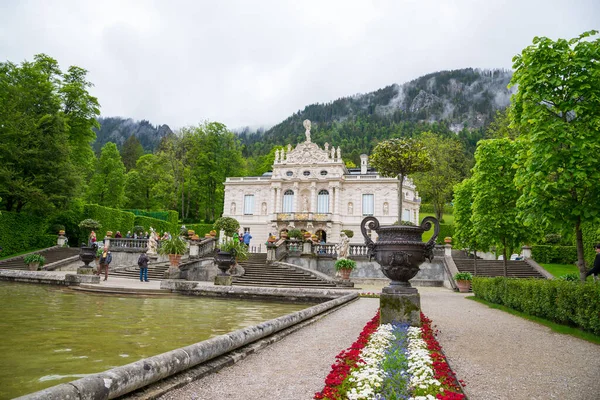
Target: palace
[{"x": 310, "y": 188}]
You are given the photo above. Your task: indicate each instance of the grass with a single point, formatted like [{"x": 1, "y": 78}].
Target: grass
[
  {"x": 560, "y": 269},
  {"x": 558, "y": 328},
  {"x": 448, "y": 219}
]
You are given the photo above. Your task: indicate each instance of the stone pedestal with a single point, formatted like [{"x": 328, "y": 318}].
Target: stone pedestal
[
  {"x": 85, "y": 270},
  {"x": 307, "y": 248},
  {"x": 194, "y": 249},
  {"x": 61, "y": 241},
  {"x": 223, "y": 280},
  {"x": 448, "y": 250},
  {"x": 526, "y": 251},
  {"x": 172, "y": 273},
  {"x": 400, "y": 305}
]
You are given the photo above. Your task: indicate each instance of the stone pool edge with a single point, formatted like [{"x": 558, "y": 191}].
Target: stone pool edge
[{"x": 122, "y": 380}]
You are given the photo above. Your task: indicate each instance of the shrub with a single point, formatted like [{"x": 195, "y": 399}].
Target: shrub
[
  {"x": 349, "y": 233},
  {"x": 236, "y": 248},
  {"x": 295, "y": 234},
  {"x": 200, "y": 229},
  {"x": 345, "y": 263},
  {"x": 552, "y": 238},
  {"x": 562, "y": 301},
  {"x": 138, "y": 229},
  {"x": 445, "y": 231},
  {"x": 573, "y": 277},
  {"x": 34, "y": 258},
  {"x": 554, "y": 254},
  {"x": 227, "y": 224}
]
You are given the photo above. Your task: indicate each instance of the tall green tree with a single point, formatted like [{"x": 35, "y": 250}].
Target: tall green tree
[
  {"x": 399, "y": 158},
  {"x": 557, "y": 110},
  {"x": 107, "y": 187},
  {"x": 151, "y": 185},
  {"x": 465, "y": 235},
  {"x": 40, "y": 136},
  {"x": 495, "y": 216},
  {"x": 130, "y": 152},
  {"x": 449, "y": 166}
]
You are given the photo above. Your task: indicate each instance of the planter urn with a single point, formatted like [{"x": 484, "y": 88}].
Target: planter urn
[
  {"x": 174, "y": 259},
  {"x": 463, "y": 286},
  {"x": 400, "y": 251},
  {"x": 33, "y": 266},
  {"x": 225, "y": 260},
  {"x": 345, "y": 274}
]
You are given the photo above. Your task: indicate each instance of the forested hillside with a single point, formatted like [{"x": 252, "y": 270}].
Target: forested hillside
[{"x": 460, "y": 102}]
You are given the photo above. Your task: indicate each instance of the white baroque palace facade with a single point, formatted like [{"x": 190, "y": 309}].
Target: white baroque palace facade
[{"x": 310, "y": 188}]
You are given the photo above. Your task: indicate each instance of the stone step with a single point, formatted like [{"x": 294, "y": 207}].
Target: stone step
[{"x": 52, "y": 254}]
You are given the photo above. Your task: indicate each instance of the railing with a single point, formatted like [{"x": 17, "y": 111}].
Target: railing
[
  {"x": 281, "y": 250},
  {"x": 294, "y": 247},
  {"x": 358, "y": 250},
  {"x": 206, "y": 247},
  {"x": 303, "y": 216},
  {"x": 325, "y": 250},
  {"x": 128, "y": 243}
]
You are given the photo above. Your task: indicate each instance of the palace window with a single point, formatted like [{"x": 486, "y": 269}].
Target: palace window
[
  {"x": 249, "y": 204},
  {"x": 288, "y": 201},
  {"x": 323, "y": 173},
  {"x": 289, "y": 173},
  {"x": 323, "y": 202},
  {"x": 368, "y": 204},
  {"x": 306, "y": 173}
]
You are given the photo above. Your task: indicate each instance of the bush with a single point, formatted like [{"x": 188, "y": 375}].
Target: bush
[
  {"x": 569, "y": 303},
  {"x": 295, "y": 234},
  {"x": 463, "y": 276},
  {"x": 111, "y": 219},
  {"x": 445, "y": 231},
  {"x": 554, "y": 254},
  {"x": 552, "y": 238},
  {"x": 200, "y": 229},
  {"x": 572, "y": 277},
  {"x": 227, "y": 224},
  {"x": 158, "y": 224},
  {"x": 236, "y": 248}
]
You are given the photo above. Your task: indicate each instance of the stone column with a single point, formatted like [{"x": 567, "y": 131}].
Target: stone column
[
  {"x": 332, "y": 195},
  {"x": 194, "y": 249},
  {"x": 526, "y": 251},
  {"x": 277, "y": 200},
  {"x": 296, "y": 198},
  {"x": 448, "y": 250},
  {"x": 313, "y": 198}
]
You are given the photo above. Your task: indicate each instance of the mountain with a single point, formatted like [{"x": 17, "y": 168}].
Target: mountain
[
  {"x": 118, "y": 130},
  {"x": 455, "y": 101}
]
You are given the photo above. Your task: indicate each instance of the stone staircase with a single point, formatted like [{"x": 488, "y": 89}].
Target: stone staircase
[
  {"x": 52, "y": 254},
  {"x": 491, "y": 268},
  {"x": 259, "y": 273},
  {"x": 156, "y": 271}
]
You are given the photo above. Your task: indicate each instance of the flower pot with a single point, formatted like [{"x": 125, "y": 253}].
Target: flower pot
[
  {"x": 448, "y": 240},
  {"x": 174, "y": 259},
  {"x": 345, "y": 273},
  {"x": 109, "y": 233},
  {"x": 213, "y": 233},
  {"x": 61, "y": 233},
  {"x": 33, "y": 266},
  {"x": 463, "y": 286}
]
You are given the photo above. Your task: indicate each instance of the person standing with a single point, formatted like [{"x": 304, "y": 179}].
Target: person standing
[
  {"x": 105, "y": 260},
  {"x": 596, "y": 268},
  {"x": 247, "y": 237},
  {"x": 143, "y": 264}
]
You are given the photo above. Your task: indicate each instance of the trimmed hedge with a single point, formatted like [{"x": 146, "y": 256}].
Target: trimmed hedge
[
  {"x": 445, "y": 230},
  {"x": 200, "y": 229},
  {"x": 548, "y": 254},
  {"x": 170, "y": 216},
  {"x": 111, "y": 219},
  {"x": 158, "y": 224},
  {"x": 20, "y": 232},
  {"x": 569, "y": 303},
  {"x": 591, "y": 236}
]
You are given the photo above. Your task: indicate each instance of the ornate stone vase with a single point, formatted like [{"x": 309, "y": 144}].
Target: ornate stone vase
[
  {"x": 224, "y": 260},
  {"x": 87, "y": 255},
  {"x": 399, "y": 249}
]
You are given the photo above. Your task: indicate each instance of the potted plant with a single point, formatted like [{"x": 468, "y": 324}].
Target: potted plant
[
  {"x": 295, "y": 234},
  {"x": 34, "y": 261},
  {"x": 174, "y": 248},
  {"x": 109, "y": 233},
  {"x": 447, "y": 240},
  {"x": 230, "y": 252},
  {"x": 213, "y": 233},
  {"x": 463, "y": 281},
  {"x": 345, "y": 267}
]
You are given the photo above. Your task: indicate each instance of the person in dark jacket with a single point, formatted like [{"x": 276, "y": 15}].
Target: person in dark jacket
[
  {"x": 143, "y": 264},
  {"x": 105, "y": 260},
  {"x": 596, "y": 269}
]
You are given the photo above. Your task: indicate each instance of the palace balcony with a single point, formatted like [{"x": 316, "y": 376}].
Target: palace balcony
[{"x": 303, "y": 216}]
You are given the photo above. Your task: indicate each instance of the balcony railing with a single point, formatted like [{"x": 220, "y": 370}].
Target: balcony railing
[{"x": 304, "y": 216}]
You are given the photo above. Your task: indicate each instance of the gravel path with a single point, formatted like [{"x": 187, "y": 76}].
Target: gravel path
[{"x": 498, "y": 355}]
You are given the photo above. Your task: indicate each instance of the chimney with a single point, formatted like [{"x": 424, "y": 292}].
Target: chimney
[{"x": 363, "y": 163}]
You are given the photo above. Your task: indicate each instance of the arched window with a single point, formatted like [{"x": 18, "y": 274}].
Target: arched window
[
  {"x": 288, "y": 201},
  {"x": 323, "y": 202}
]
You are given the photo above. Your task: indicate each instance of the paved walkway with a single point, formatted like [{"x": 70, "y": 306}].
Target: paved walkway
[{"x": 498, "y": 355}]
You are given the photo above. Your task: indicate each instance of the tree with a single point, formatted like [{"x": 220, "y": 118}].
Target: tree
[
  {"x": 448, "y": 167},
  {"x": 107, "y": 187},
  {"x": 151, "y": 186},
  {"x": 399, "y": 158},
  {"x": 557, "y": 109},
  {"x": 41, "y": 134},
  {"x": 495, "y": 216},
  {"x": 130, "y": 152},
  {"x": 465, "y": 235}
]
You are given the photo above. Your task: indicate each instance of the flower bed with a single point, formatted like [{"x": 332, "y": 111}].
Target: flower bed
[{"x": 392, "y": 361}]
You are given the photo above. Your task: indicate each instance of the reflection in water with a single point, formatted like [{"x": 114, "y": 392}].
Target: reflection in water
[{"x": 51, "y": 335}]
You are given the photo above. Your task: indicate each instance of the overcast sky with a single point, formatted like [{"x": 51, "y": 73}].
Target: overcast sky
[{"x": 257, "y": 62}]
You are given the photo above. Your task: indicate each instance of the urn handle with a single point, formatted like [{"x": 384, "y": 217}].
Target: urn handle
[
  {"x": 373, "y": 224},
  {"x": 426, "y": 225}
]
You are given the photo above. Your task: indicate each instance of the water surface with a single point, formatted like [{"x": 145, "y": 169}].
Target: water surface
[{"x": 51, "y": 335}]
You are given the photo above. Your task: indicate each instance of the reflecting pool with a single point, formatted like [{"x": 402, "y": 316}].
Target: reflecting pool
[{"x": 50, "y": 335}]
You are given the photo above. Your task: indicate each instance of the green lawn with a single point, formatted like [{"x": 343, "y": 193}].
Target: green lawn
[
  {"x": 560, "y": 269},
  {"x": 448, "y": 219}
]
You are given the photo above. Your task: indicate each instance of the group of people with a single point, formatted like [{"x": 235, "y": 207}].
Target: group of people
[{"x": 243, "y": 237}]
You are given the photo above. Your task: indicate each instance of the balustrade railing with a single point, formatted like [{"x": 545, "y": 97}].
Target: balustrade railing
[
  {"x": 324, "y": 250},
  {"x": 206, "y": 247},
  {"x": 281, "y": 250},
  {"x": 358, "y": 250},
  {"x": 129, "y": 243}
]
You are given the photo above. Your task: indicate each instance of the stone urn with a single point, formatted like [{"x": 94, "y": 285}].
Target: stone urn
[
  {"x": 225, "y": 260},
  {"x": 87, "y": 254},
  {"x": 399, "y": 249}
]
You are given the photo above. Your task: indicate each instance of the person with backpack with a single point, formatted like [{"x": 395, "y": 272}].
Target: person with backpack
[
  {"x": 143, "y": 264},
  {"x": 105, "y": 260}
]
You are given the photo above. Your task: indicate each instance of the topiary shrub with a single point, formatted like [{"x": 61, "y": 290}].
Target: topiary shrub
[
  {"x": 349, "y": 233},
  {"x": 227, "y": 224}
]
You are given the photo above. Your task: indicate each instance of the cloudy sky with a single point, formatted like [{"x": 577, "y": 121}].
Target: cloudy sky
[{"x": 253, "y": 63}]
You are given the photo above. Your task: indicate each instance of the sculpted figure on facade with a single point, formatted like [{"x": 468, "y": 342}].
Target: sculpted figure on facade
[
  {"x": 339, "y": 154},
  {"x": 386, "y": 209},
  {"x": 350, "y": 208},
  {"x": 307, "y": 132},
  {"x": 276, "y": 156},
  {"x": 304, "y": 203},
  {"x": 343, "y": 247},
  {"x": 264, "y": 209},
  {"x": 232, "y": 209}
]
